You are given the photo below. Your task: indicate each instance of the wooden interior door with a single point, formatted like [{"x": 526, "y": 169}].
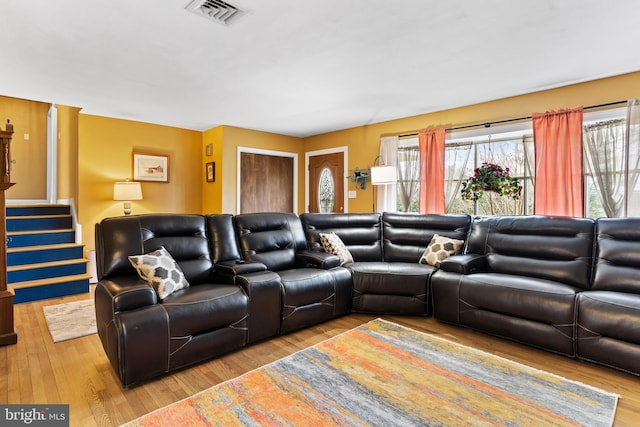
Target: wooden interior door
[
  {"x": 266, "y": 183},
  {"x": 326, "y": 183}
]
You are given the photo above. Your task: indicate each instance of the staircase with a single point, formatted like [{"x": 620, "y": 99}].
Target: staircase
[{"x": 43, "y": 260}]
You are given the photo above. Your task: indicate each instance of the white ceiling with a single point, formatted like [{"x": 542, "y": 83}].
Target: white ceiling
[{"x": 304, "y": 67}]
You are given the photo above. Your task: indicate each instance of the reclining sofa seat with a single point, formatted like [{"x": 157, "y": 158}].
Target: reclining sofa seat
[
  {"x": 609, "y": 313},
  {"x": 143, "y": 336},
  {"x": 387, "y": 278},
  {"x": 314, "y": 288},
  {"x": 518, "y": 279}
]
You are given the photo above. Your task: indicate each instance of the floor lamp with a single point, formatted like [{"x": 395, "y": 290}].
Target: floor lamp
[{"x": 382, "y": 175}]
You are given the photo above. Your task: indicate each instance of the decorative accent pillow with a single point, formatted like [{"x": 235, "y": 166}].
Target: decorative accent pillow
[
  {"x": 331, "y": 243},
  {"x": 161, "y": 271},
  {"x": 440, "y": 248}
]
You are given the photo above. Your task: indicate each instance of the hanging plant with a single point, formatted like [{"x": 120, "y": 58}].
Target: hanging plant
[{"x": 491, "y": 177}]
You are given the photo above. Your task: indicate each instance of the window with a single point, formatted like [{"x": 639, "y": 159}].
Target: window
[
  {"x": 462, "y": 156},
  {"x": 611, "y": 167},
  {"x": 509, "y": 151}
]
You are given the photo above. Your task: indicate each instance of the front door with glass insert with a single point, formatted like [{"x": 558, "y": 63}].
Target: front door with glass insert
[{"x": 326, "y": 183}]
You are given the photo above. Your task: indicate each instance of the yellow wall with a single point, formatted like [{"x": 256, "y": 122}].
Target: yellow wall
[
  {"x": 68, "y": 145},
  {"x": 232, "y": 138},
  {"x": 30, "y": 161},
  {"x": 96, "y": 151},
  {"x": 105, "y": 156},
  {"x": 364, "y": 141},
  {"x": 212, "y": 191}
]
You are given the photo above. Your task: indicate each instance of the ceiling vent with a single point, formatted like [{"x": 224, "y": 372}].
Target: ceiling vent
[{"x": 216, "y": 10}]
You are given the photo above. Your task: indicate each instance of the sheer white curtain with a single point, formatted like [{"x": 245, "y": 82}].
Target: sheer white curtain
[
  {"x": 408, "y": 176},
  {"x": 605, "y": 157},
  {"x": 387, "y": 196},
  {"x": 633, "y": 157},
  {"x": 456, "y": 160}
]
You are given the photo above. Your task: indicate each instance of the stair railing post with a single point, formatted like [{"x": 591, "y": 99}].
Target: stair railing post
[{"x": 7, "y": 332}]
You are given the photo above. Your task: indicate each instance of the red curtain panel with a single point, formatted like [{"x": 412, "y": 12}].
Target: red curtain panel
[
  {"x": 431, "y": 143},
  {"x": 558, "y": 143}
]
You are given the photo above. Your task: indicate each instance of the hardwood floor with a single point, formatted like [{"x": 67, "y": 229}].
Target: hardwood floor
[{"x": 77, "y": 372}]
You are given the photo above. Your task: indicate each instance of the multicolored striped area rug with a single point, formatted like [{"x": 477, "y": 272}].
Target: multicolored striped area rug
[{"x": 383, "y": 374}]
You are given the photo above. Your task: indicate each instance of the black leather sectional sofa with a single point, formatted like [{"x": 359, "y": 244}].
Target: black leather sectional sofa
[
  {"x": 567, "y": 285},
  {"x": 387, "y": 278}
]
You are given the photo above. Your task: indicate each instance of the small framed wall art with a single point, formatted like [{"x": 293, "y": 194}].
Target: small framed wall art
[
  {"x": 150, "y": 167},
  {"x": 210, "y": 170}
]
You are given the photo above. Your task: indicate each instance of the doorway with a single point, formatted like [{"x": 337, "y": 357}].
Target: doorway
[
  {"x": 326, "y": 181},
  {"x": 266, "y": 181}
]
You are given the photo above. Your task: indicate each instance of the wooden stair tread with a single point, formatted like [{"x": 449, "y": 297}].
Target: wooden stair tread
[
  {"x": 38, "y": 216},
  {"x": 46, "y": 264},
  {"x": 44, "y": 247},
  {"x": 50, "y": 281},
  {"x": 35, "y": 205},
  {"x": 25, "y": 232}
]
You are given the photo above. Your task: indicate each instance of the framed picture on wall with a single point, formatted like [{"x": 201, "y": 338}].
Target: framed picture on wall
[
  {"x": 211, "y": 171},
  {"x": 150, "y": 167}
]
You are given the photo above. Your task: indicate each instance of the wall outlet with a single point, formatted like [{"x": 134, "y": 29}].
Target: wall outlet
[
  {"x": 352, "y": 194},
  {"x": 26, "y": 136}
]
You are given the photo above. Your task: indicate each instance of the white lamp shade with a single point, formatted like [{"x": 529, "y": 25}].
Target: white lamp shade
[
  {"x": 382, "y": 175},
  {"x": 127, "y": 191}
]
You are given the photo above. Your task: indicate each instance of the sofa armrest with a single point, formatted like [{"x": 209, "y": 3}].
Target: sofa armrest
[
  {"x": 133, "y": 328},
  {"x": 239, "y": 267},
  {"x": 264, "y": 290},
  {"x": 137, "y": 346},
  {"x": 127, "y": 293},
  {"x": 463, "y": 264},
  {"x": 317, "y": 259}
]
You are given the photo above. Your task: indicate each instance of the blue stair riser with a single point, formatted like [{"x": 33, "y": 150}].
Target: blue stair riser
[
  {"x": 37, "y": 210},
  {"x": 43, "y": 223},
  {"x": 23, "y": 240},
  {"x": 46, "y": 272},
  {"x": 51, "y": 291},
  {"x": 37, "y": 256}
]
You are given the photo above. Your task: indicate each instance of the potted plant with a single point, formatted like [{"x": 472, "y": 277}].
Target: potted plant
[{"x": 490, "y": 177}]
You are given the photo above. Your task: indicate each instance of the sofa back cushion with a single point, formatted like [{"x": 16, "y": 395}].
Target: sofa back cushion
[
  {"x": 222, "y": 238},
  {"x": 361, "y": 233},
  {"x": 183, "y": 236},
  {"x": 270, "y": 238},
  {"x": 553, "y": 248},
  {"x": 617, "y": 259},
  {"x": 406, "y": 235}
]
